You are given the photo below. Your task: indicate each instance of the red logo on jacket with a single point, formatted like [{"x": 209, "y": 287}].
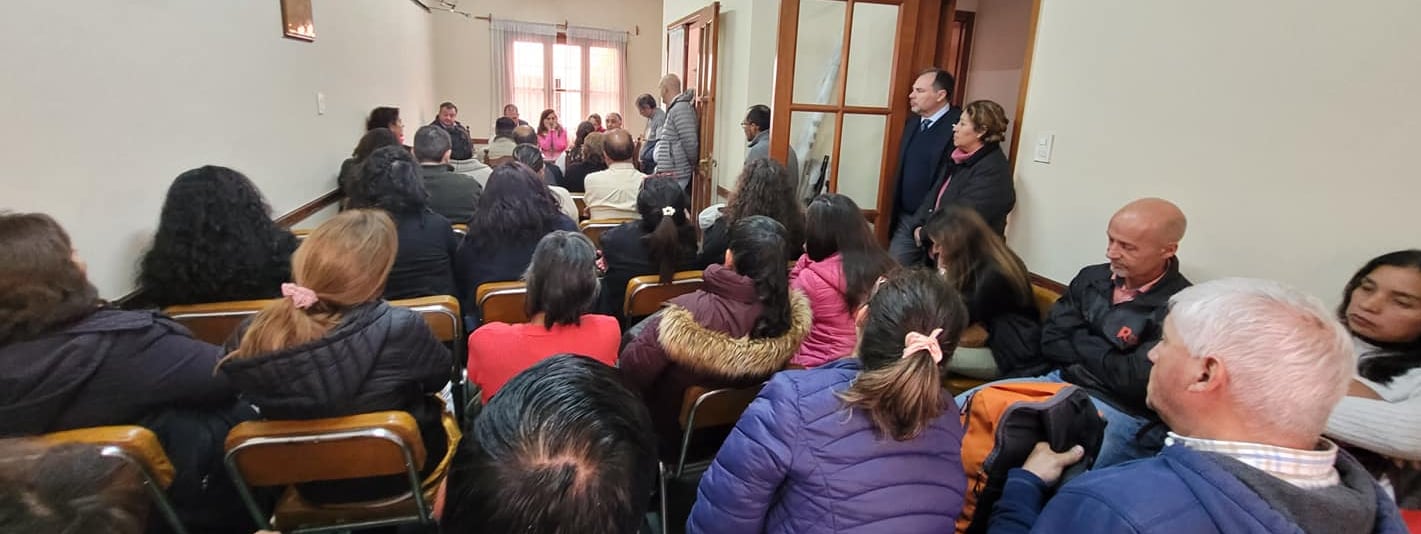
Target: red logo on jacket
[{"x": 1126, "y": 335}]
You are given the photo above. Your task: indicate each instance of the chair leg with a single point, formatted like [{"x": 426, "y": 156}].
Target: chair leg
[{"x": 661, "y": 478}]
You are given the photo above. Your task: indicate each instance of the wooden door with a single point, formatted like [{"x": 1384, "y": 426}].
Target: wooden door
[
  {"x": 699, "y": 41},
  {"x": 843, "y": 71}
]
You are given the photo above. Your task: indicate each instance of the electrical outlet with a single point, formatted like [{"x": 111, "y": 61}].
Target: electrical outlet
[{"x": 1043, "y": 148}]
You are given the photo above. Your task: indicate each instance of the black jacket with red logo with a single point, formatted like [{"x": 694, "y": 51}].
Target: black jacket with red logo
[{"x": 1104, "y": 347}]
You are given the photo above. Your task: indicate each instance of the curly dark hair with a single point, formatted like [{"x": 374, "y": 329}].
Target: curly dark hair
[
  {"x": 574, "y": 154},
  {"x": 766, "y": 188},
  {"x": 215, "y": 242},
  {"x": 374, "y": 139},
  {"x": 389, "y": 179},
  {"x": 41, "y": 287},
  {"x": 382, "y": 117},
  {"x": 515, "y": 206}
]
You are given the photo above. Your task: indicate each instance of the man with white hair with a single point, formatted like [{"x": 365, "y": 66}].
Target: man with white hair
[{"x": 1245, "y": 376}]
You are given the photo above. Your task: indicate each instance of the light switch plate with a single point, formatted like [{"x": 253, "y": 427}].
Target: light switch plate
[
  {"x": 320, "y": 103},
  {"x": 1043, "y": 148}
]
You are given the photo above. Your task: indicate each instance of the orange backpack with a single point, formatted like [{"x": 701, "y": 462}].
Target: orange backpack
[{"x": 1002, "y": 423}]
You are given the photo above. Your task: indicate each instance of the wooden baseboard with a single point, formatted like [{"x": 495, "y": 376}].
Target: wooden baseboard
[{"x": 1048, "y": 283}]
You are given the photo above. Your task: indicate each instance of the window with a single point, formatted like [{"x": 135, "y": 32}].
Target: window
[{"x": 576, "y": 79}]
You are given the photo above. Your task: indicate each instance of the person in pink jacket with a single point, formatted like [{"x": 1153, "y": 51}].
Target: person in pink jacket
[
  {"x": 840, "y": 264},
  {"x": 552, "y": 138}
]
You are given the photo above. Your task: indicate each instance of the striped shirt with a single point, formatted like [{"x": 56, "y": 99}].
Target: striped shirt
[{"x": 1315, "y": 469}]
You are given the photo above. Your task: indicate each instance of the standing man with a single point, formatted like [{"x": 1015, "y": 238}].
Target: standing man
[
  {"x": 927, "y": 138},
  {"x": 678, "y": 145},
  {"x": 461, "y": 145},
  {"x": 757, "y": 134},
  {"x": 655, "y": 118}
]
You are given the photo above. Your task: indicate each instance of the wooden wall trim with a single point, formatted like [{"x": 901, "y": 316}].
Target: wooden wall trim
[
  {"x": 1048, "y": 283},
  {"x": 305, "y": 211},
  {"x": 721, "y": 191},
  {"x": 1025, "y": 82}
]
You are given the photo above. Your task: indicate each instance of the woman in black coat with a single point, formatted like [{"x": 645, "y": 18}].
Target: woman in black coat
[
  {"x": 661, "y": 243},
  {"x": 390, "y": 180}
]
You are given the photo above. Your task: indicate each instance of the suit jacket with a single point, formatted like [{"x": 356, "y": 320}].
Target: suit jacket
[{"x": 937, "y": 144}]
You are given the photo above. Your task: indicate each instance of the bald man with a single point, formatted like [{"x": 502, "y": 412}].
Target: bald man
[
  {"x": 678, "y": 143},
  {"x": 1099, "y": 335},
  {"x": 611, "y": 194}
]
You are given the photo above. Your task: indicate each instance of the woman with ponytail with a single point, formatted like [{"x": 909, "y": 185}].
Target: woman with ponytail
[
  {"x": 840, "y": 263},
  {"x": 662, "y": 242},
  {"x": 866, "y": 444},
  {"x": 744, "y": 325},
  {"x": 331, "y": 347}
]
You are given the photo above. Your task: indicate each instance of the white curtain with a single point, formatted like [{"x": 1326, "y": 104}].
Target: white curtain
[
  {"x": 606, "y": 53},
  {"x": 512, "y": 42}
]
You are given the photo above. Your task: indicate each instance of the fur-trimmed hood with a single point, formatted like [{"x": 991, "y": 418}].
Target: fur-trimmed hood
[{"x": 704, "y": 350}]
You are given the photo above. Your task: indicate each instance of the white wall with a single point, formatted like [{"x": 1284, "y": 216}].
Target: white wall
[
  {"x": 107, "y": 102},
  {"x": 998, "y": 52},
  {"x": 465, "y": 75},
  {"x": 1285, "y": 132},
  {"x": 745, "y": 76}
]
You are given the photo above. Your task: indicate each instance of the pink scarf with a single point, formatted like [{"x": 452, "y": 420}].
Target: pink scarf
[{"x": 959, "y": 155}]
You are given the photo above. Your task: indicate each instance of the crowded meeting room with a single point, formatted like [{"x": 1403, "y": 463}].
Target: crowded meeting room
[{"x": 710, "y": 267}]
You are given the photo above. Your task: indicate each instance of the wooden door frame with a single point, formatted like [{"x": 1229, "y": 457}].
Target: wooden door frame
[
  {"x": 1023, "y": 85},
  {"x": 701, "y": 190}
]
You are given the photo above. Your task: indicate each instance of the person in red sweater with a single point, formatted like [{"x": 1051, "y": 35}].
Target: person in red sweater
[{"x": 562, "y": 288}]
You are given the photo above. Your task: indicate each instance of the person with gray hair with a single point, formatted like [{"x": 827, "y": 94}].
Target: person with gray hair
[
  {"x": 529, "y": 154},
  {"x": 1245, "y": 377},
  {"x": 678, "y": 143},
  {"x": 451, "y": 194}
]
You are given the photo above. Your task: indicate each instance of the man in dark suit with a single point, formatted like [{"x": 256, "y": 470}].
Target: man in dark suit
[{"x": 927, "y": 138}]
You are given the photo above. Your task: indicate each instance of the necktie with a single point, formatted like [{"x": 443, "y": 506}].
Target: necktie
[{"x": 927, "y": 123}]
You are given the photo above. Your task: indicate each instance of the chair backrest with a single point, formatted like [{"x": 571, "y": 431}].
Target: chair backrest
[
  {"x": 214, "y": 322},
  {"x": 131, "y": 443},
  {"x": 580, "y": 199},
  {"x": 301, "y": 233},
  {"x": 1045, "y": 299},
  {"x": 275, "y": 453},
  {"x": 502, "y": 302},
  {"x": 440, "y": 312},
  {"x": 461, "y": 229},
  {"x": 645, "y": 294},
  {"x": 593, "y": 228},
  {"x": 705, "y": 408}
]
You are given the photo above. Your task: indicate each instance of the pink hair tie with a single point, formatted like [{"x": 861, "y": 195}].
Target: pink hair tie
[
  {"x": 302, "y": 297},
  {"x": 914, "y": 342}
]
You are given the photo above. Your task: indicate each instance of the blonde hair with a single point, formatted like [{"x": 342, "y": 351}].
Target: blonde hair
[{"x": 345, "y": 262}]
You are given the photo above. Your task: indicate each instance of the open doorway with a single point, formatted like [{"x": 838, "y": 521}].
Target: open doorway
[{"x": 987, "y": 46}]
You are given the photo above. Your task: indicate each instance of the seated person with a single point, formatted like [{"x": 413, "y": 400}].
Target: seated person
[
  {"x": 614, "y": 121},
  {"x": 215, "y": 242},
  {"x": 1245, "y": 375},
  {"x": 593, "y": 160},
  {"x": 661, "y": 242},
  {"x": 500, "y": 148},
  {"x": 461, "y": 146},
  {"x": 424, "y": 266},
  {"x": 840, "y": 264},
  {"x": 1099, "y": 335},
  {"x": 976, "y": 175},
  {"x": 332, "y": 347},
  {"x": 764, "y": 188},
  {"x": 68, "y": 360},
  {"x": 372, "y": 140},
  {"x": 515, "y": 211},
  {"x": 524, "y": 154},
  {"x": 866, "y": 444},
  {"x": 1005, "y": 323},
  {"x": 69, "y": 487},
  {"x": 1381, "y": 413},
  {"x": 574, "y": 153},
  {"x": 740, "y": 328},
  {"x": 563, "y": 448},
  {"x": 451, "y": 194},
  {"x": 562, "y": 287},
  {"x": 612, "y": 192},
  {"x": 388, "y": 118}
]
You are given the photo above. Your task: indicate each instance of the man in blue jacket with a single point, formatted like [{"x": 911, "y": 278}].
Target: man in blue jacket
[{"x": 1245, "y": 375}]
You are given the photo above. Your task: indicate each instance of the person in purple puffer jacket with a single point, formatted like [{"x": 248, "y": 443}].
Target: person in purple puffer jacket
[
  {"x": 841, "y": 261},
  {"x": 860, "y": 445}
]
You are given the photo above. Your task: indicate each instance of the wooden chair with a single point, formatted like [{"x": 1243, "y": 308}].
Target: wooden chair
[
  {"x": 137, "y": 446},
  {"x": 502, "y": 302},
  {"x": 283, "y": 453},
  {"x": 703, "y": 408},
  {"x": 214, "y": 322},
  {"x": 580, "y": 199},
  {"x": 1045, "y": 299},
  {"x": 461, "y": 229},
  {"x": 446, "y": 321},
  {"x": 593, "y": 228},
  {"x": 301, "y": 233},
  {"x": 645, "y": 294}
]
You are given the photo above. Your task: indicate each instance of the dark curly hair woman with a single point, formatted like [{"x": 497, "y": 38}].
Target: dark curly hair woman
[
  {"x": 514, "y": 212},
  {"x": 374, "y": 139},
  {"x": 765, "y": 188},
  {"x": 215, "y": 242},
  {"x": 424, "y": 263}
]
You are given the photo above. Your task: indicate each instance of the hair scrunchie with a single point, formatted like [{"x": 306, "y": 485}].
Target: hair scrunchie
[
  {"x": 302, "y": 297},
  {"x": 914, "y": 342}
]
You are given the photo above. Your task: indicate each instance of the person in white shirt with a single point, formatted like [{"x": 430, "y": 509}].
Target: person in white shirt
[{"x": 611, "y": 194}]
